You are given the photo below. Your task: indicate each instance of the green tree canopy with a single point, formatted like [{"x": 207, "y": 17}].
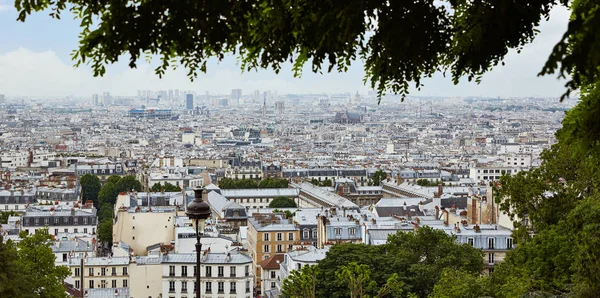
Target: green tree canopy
[
  {"x": 282, "y": 202},
  {"x": 410, "y": 263},
  {"x": 114, "y": 179},
  {"x": 461, "y": 37},
  {"x": 379, "y": 176},
  {"x": 458, "y": 283},
  {"x": 29, "y": 271},
  {"x": 129, "y": 183},
  {"x": 90, "y": 187},
  {"x": 167, "y": 187}
]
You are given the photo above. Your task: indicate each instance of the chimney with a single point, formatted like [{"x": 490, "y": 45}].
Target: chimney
[{"x": 440, "y": 189}]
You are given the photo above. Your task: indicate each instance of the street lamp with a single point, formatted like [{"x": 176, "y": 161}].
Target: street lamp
[{"x": 197, "y": 210}]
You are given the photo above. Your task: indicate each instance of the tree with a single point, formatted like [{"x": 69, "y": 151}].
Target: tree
[
  {"x": 114, "y": 179},
  {"x": 167, "y": 187},
  {"x": 13, "y": 277},
  {"x": 105, "y": 230},
  {"x": 37, "y": 260},
  {"x": 90, "y": 187},
  {"x": 301, "y": 283},
  {"x": 379, "y": 176},
  {"x": 327, "y": 183},
  {"x": 108, "y": 194},
  {"x": 129, "y": 183},
  {"x": 459, "y": 283},
  {"x": 282, "y": 202},
  {"x": 459, "y": 37},
  {"x": 4, "y": 215}
]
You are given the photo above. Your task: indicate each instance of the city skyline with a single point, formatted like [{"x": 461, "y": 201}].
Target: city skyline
[{"x": 37, "y": 52}]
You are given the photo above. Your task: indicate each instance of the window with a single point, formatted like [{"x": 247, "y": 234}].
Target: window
[
  {"x": 352, "y": 231},
  {"x": 64, "y": 257},
  {"x": 221, "y": 287},
  {"x": 272, "y": 285},
  {"x": 247, "y": 270},
  {"x": 266, "y": 236},
  {"x": 272, "y": 273},
  {"x": 208, "y": 287},
  {"x": 314, "y": 233},
  {"x": 471, "y": 241},
  {"x": 220, "y": 270},
  {"x": 290, "y": 246},
  {"x": 91, "y": 284},
  {"x": 171, "y": 270},
  {"x": 114, "y": 271},
  {"x": 91, "y": 271},
  {"x": 85, "y": 230},
  {"x": 183, "y": 270},
  {"x": 77, "y": 284},
  {"x": 266, "y": 248},
  {"x": 66, "y": 230},
  {"x": 184, "y": 286},
  {"x": 114, "y": 283},
  {"x": 232, "y": 287},
  {"x": 509, "y": 243},
  {"x": 338, "y": 231},
  {"x": 208, "y": 271},
  {"x": 77, "y": 272},
  {"x": 247, "y": 286},
  {"x": 171, "y": 287},
  {"x": 103, "y": 271},
  {"x": 490, "y": 243},
  {"x": 291, "y": 236},
  {"x": 56, "y": 232},
  {"x": 279, "y": 236},
  {"x": 491, "y": 258},
  {"x": 232, "y": 271},
  {"x": 124, "y": 283},
  {"x": 124, "y": 270},
  {"x": 306, "y": 233}
]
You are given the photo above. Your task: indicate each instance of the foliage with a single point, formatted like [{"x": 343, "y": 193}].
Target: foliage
[
  {"x": 282, "y": 202},
  {"x": 36, "y": 256},
  {"x": 105, "y": 230},
  {"x": 90, "y": 187},
  {"x": 108, "y": 194},
  {"x": 301, "y": 283},
  {"x": 4, "y": 215},
  {"x": 461, "y": 284},
  {"x": 228, "y": 183},
  {"x": 455, "y": 36},
  {"x": 114, "y": 179},
  {"x": 410, "y": 263},
  {"x": 425, "y": 182},
  {"x": 378, "y": 177},
  {"x": 167, "y": 187},
  {"x": 561, "y": 202},
  {"x": 288, "y": 213},
  {"x": 324, "y": 183},
  {"x": 27, "y": 269},
  {"x": 129, "y": 183}
]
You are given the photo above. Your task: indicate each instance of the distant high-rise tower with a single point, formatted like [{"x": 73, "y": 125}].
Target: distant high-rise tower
[
  {"x": 236, "y": 95},
  {"x": 264, "y": 108},
  {"x": 170, "y": 94},
  {"x": 189, "y": 101},
  {"x": 95, "y": 100},
  {"x": 2, "y": 98}
]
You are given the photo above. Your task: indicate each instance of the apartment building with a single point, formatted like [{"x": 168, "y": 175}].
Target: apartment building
[
  {"x": 269, "y": 234},
  {"x": 16, "y": 200},
  {"x": 100, "y": 272},
  {"x": 226, "y": 275},
  {"x": 141, "y": 227},
  {"x": 259, "y": 198},
  {"x": 60, "y": 219}
]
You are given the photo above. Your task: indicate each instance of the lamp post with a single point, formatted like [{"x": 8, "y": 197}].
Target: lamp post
[{"x": 197, "y": 210}]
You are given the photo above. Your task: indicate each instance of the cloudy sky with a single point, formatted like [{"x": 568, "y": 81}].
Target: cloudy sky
[{"x": 35, "y": 61}]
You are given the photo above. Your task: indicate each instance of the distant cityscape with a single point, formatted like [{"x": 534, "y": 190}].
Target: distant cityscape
[{"x": 438, "y": 157}]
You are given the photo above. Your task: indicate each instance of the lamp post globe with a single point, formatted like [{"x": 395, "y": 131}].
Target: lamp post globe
[{"x": 196, "y": 210}]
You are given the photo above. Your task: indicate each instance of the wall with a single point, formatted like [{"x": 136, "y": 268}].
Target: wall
[{"x": 148, "y": 228}]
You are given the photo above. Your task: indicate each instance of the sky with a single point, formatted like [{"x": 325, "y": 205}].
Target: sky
[{"x": 35, "y": 61}]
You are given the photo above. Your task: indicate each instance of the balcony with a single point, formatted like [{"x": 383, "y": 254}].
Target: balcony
[{"x": 232, "y": 275}]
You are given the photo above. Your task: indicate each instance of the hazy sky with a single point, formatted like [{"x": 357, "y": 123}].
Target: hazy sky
[{"x": 34, "y": 60}]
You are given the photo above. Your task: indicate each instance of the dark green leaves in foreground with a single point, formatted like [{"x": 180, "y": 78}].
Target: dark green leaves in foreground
[
  {"x": 400, "y": 42},
  {"x": 27, "y": 269}
]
